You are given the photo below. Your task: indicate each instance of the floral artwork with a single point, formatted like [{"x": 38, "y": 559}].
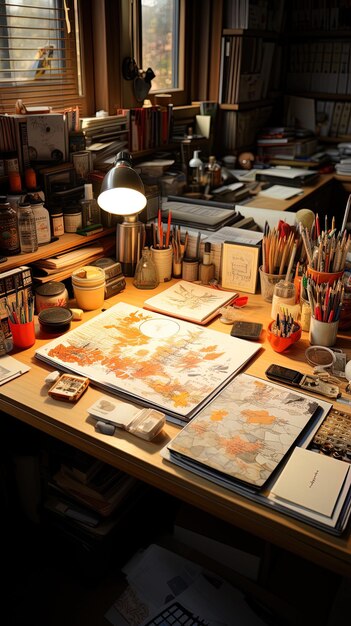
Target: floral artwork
[
  {"x": 171, "y": 364},
  {"x": 246, "y": 431},
  {"x": 196, "y": 303}
]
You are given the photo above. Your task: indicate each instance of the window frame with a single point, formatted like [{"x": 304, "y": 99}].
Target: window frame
[{"x": 56, "y": 93}]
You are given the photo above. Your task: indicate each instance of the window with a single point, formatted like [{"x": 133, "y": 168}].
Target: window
[
  {"x": 39, "y": 53},
  {"x": 161, "y": 43}
]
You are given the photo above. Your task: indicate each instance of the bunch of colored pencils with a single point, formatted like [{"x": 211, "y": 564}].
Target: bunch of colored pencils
[
  {"x": 278, "y": 253},
  {"x": 325, "y": 300},
  {"x": 20, "y": 312},
  {"x": 328, "y": 252}
]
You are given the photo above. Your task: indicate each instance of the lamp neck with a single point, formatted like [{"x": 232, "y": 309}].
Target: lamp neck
[{"x": 131, "y": 219}]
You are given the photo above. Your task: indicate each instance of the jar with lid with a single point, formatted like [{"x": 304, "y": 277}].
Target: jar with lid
[
  {"x": 27, "y": 228},
  {"x": 42, "y": 221},
  {"x": 72, "y": 219},
  {"x": 9, "y": 237},
  {"x": 50, "y": 294},
  {"x": 56, "y": 223}
]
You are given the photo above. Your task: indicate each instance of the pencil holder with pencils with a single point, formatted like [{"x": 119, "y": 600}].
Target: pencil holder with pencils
[
  {"x": 283, "y": 333},
  {"x": 23, "y": 334},
  {"x": 326, "y": 302}
]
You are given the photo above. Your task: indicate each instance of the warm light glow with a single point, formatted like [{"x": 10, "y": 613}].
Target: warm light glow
[{"x": 122, "y": 201}]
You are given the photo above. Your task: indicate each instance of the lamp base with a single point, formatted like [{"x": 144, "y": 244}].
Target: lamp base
[{"x": 129, "y": 244}]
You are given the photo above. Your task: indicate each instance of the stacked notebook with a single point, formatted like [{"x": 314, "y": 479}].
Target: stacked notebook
[{"x": 252, "y": 438}]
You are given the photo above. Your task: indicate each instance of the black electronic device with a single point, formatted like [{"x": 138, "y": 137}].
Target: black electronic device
[
  {"x": 284, "y": 375},
  {"x": 246, "y": 330}
]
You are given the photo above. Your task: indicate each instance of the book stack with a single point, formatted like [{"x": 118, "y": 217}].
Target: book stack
[
  {"x": 61, "y": 266},
  {"x": 84, "y": 498},
  {"x": 253, "y": 438},
  {"x": 105, "y": 136},
  {"x": 282, "y": 142}
]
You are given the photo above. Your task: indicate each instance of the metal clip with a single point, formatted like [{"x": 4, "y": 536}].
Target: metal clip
[{"x": 315, "y": 384}]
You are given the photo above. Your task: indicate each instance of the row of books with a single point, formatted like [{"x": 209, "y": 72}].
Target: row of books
[
  {"x": 239, "y": 128},
  {"x": 255, "y": 14},
  {"x": 321, "y": 15},
  {"x": 333, "y": 117},
  {"x": 149, "y": 127},
  {"x": 245, "y": 72},
  {"x": 323, "y": 66}
]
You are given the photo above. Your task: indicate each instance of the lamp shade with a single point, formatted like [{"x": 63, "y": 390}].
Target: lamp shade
[{"x": 122, "y": 190}]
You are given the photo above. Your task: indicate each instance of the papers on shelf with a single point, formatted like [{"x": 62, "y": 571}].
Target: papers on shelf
[
  {"x": 11, "y": 368},
  {"x": 156, "y": 575},
  {"x": 281, "y": 192},
  {"x": 157, "y": 361}
]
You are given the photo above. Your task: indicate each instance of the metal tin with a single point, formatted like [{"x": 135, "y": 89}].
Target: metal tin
[{"x": 55, "y": 319}]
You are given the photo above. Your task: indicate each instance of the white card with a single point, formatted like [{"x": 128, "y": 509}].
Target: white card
[{"x": 311, "y": 480}]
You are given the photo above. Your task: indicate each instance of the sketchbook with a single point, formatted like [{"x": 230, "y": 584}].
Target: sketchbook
[
  {"x": 188, "y": 301},
  {"x": 151, "y": 359},
  {"x": 246, "y": 431},
  {"x": 263, "y": 454}
]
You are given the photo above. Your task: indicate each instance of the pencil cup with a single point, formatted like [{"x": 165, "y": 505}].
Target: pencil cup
[
  {"x": 163, "y": 257},
  {"x": 23, "y": 335},
  {"x": 324, "y": 277},
  {"x": 268, "y": 282},
  {"x": 323, "y": 333}
]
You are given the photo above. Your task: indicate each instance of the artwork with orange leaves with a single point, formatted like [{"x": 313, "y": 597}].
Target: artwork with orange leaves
[
  {"x": 246, "y": 431},
  {"x": 172, "y": 365}
]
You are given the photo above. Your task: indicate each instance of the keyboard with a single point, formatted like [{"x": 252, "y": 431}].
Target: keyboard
[{"x": 175, "y": 615}]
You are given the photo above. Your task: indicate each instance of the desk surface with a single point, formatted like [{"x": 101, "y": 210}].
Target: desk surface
[
  {"x": 263, "y": 202},
  {"x": 26, "y": 399}
]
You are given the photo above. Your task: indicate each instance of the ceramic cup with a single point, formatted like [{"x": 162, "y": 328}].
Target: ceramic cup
[
  {"x": 323, "y": 333},
  {"x": 163, "y": 259}
]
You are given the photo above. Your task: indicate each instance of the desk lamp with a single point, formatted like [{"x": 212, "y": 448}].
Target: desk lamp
[{"x": 122, "y": 193}]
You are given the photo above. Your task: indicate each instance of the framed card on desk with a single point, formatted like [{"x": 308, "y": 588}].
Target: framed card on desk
[{"x": 240, "y": 266}]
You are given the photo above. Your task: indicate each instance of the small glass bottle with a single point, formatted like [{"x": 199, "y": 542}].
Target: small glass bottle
[
  {"x": 196, "y": 167},
  {"x": 213, "y": 173},
  {"x": 27, "y": 228},
  {"x": 90, "y": 208},
  {"x": 9, "y": 238},
  {"x": 206, "y": 268},
  {"x": 145, "y": 276},
  {"x": 42, "y": 222}
]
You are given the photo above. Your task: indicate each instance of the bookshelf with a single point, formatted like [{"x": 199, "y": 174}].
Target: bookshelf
[
  {"x": 319, "y": 63},
  {"x": 249, "y": 85}
]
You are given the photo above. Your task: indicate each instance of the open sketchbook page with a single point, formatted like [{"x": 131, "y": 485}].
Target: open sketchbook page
[
  {"x": 188, "y": 301},
  {"x": 157, "y": 361}
]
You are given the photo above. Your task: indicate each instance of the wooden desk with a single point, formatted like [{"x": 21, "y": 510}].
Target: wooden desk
[
  {"x": 315, "y": 197},
  {"x": 26, "y": 399}
]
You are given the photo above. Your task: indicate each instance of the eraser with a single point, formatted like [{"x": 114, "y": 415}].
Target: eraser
[
  {"x": 104, "y": 428},
  {"x": 52, "y": 377},
  {"x": 77, "y": 314}
]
